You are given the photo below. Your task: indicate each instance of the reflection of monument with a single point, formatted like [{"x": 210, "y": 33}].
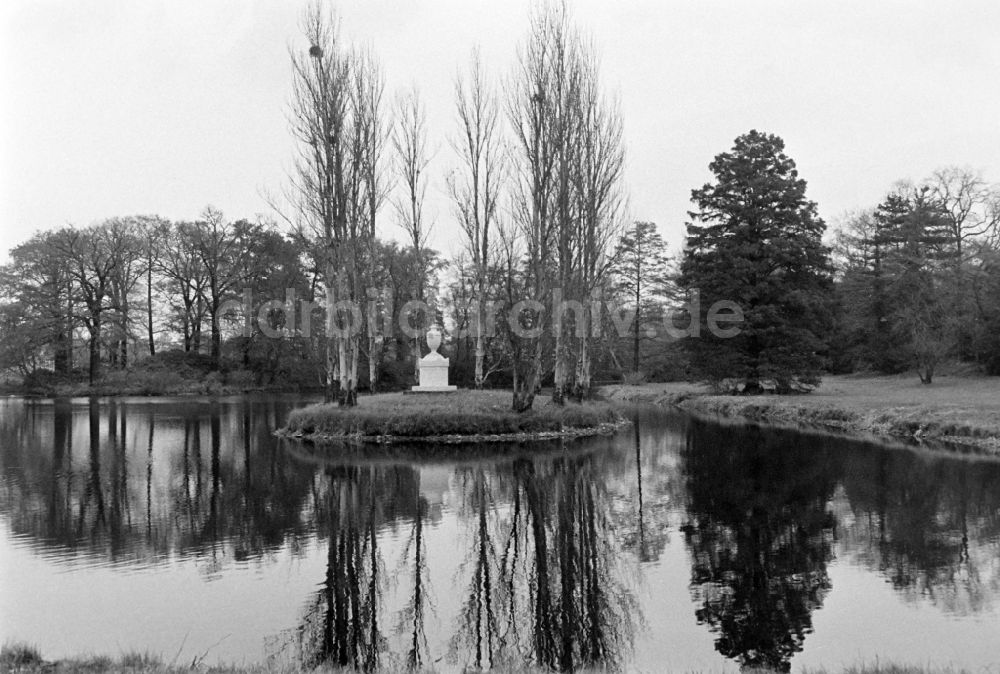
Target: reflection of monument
[{"x": 433, "y": 368}]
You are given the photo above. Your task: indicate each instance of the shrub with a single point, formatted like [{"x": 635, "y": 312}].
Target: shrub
[
  {"x": 395, "y": 375},
  {"x": 241, "y": 379},
  {"x": 146, "y": 383},
  {"x": 17, "y": 655},
  {"x": 634, "y": 378},
  {"x": 44, "y": 382},
  {"x": 141, "y": 660},
  {"x": 177, "y": 360},
  {"x": 212, "y": 385}
]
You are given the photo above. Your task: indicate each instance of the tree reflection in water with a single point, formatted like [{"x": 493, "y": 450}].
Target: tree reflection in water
[
  {"x": 342, "y": 625},
  {"x": 541, "y": 548},
  {"x": 478, "y": 628},
  {"x": 412, "y": 618},
  {"x": 138, "y": 494},
  {"x": 564, "y": 596},
  {"x": 761, "y": 535},
  {"x": 930, "y": 525},
  {"x": 541, "y": 577}
]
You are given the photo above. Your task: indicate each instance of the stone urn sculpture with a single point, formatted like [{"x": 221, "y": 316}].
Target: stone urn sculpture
[
  {"x": 433, "y": 367},
  {"x": 433, "y": 339}
]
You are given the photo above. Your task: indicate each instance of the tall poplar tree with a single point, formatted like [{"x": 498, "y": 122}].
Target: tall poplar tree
[{"x": 338, "y": 185}]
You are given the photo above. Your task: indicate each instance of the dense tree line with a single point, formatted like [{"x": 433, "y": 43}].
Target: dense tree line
[
  {"x": 80, "y": 301},
  {"x": 919, "y": 280},
  {"x": 550, "y": 284}
]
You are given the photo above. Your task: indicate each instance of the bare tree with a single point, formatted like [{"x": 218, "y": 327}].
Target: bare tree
[
  {"x": 184, "y": 276},
  {"x": 91, "y": 263},
  {"x": 568, "y": 198},
  {"x": 970, "y": 207},
  {"x": 335, "y": 137},
  {"x": 565, "y": 94},
  {"x": 599, "y": 200},
  {"x": 532, "y": 114},
  {"x": 153, "y": 232},
  {"x": 320, "y": 97},
  {"x": 409, "y": 140},
  {"x": 123, "y": 239},
  {"x": 477, "y": 186},
  {"x": 969, "y": 203},
  {"x": 371, "y": 134},
  {"x": 37, "y": 287},
  {"x": 222, "y": 248}
]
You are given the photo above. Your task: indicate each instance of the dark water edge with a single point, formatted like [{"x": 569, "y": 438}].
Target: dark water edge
[{"x": 176, "y": 524}]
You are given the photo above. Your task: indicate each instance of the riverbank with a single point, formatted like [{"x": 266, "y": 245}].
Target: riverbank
[
  {"x": 21, "y": 658},
  {"x": 458, "y": 417},
  {"x": 960, "y": 410}
]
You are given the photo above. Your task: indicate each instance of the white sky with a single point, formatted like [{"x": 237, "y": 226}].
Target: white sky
[{"x": 116, "y": 108}]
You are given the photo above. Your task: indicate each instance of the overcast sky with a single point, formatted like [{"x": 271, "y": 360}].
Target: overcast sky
[{"x": 118, "y": 108}]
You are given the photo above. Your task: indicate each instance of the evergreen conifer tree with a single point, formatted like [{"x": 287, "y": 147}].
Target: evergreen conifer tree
[
  {"x": 757, "y": 240},
  {"x": 642, "y": 278}
]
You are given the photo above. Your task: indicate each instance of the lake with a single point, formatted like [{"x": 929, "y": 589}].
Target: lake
[{"x": 184, "y": 528}]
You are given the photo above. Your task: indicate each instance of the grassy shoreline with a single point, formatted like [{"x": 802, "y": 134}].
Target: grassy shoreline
[
  {"x": 25, "y": 658},
  {"x": 463, "y": 416},
  {"x": 961, "y": 411}
]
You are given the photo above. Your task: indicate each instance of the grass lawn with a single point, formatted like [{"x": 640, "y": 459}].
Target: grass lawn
[
  {"x": 463, "y": 413},
  {"x": 957, "y": 408}
]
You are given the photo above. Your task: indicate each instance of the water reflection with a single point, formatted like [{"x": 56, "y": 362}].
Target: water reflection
[
  {"x": 931, "y": 528},
  {"x": 544, "y": 555},
  {"x": 342, "y": 625},
  {"x": 560, "y": 570},
  {"x": 761, "y": 535},
  {"x": 118, "y": 503},
  {"x": 538, "y": 579}
]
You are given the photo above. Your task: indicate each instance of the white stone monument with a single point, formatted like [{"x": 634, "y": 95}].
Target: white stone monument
[{"x": 433, "y": 368}]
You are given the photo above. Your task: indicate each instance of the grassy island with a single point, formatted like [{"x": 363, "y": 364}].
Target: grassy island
[{"x": 455, "y": 417}]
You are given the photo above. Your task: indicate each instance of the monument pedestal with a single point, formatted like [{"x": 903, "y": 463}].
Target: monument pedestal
[{"x": 433, "y": 368}]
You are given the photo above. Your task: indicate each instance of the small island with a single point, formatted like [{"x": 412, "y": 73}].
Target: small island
[
  {"x": 466, "y": 416},
  {"x": 434, "y": 411}
]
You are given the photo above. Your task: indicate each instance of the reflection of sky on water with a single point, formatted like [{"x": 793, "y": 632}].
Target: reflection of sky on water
[{"x": 226, "y": 552}]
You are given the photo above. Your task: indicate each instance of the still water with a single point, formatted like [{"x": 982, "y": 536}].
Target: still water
[{"x": 183, "y": 528}]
